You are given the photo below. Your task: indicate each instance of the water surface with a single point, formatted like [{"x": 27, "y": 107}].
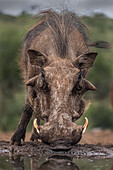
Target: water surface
[{"x": 53, "y": 163}]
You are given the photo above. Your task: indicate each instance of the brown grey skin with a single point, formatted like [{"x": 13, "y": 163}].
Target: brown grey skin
[{"x": 55, "y": 60}]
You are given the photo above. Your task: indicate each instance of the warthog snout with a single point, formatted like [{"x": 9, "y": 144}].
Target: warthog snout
[{"x": 61, "y": 135}]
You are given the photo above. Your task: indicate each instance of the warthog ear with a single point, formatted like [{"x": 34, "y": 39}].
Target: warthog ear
[
  {"x": 36, "y": 57},
  {"x": 85, "y": 60}
]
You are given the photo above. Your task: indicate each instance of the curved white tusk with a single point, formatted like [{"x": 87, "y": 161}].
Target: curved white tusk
[
  {"x": 35, "y": 125},
  {"x": 85, "y": 125}
]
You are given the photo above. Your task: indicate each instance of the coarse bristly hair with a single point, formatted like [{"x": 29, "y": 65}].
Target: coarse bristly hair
[{"x": 61, "y": 25}]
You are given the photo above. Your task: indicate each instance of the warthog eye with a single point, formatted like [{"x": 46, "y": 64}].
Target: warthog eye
[
  {"x": 43, "y": 76},
  {"x": 78, "y": 86},
  {"x": 44, "y": 85},
  {"x": 80, "y": 76},
  {"x": 34, "y": 95}
]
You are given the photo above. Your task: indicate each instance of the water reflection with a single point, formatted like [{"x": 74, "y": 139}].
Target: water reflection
[
  {"x": 58, "y": 163},
  {"x": 17, "y": 162},
  {"x": 53, "y": 163}
]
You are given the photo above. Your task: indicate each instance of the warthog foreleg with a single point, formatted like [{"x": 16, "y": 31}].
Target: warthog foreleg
[{"x": 21, "y": 129}]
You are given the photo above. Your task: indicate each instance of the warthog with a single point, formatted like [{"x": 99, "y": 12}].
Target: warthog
[{"x": 55, "y": 60}]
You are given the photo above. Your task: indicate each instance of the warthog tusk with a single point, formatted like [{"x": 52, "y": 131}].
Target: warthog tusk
[
  {"x": 35, "y": 125},
  {"x": 39, "y": 140},
  {"x": 85, "y": 125}
]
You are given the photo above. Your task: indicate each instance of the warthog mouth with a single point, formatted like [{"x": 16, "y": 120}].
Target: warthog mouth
[{"x": 60, "y": 144}]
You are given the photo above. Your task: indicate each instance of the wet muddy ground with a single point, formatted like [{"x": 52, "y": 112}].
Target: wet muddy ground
[
  {"x": 95, "y": 143},
  {"x": 39, "y": 149},
  {"x": 94, "y": 152},
  {"x": 38, "y": 156}
]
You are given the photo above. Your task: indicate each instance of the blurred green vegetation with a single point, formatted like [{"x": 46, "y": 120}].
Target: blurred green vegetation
[{"x": 12, "y": 92}]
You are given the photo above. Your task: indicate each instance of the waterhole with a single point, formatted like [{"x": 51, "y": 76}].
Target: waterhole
[
  {"x": 53, "y": 163},
  {"x": 39, "y": 156}
]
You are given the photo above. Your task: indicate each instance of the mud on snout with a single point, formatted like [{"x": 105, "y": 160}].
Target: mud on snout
[{"x": 60, "y": 136}]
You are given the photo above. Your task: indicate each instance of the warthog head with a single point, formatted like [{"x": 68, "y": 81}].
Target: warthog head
[{"x": 57, "y": 90}]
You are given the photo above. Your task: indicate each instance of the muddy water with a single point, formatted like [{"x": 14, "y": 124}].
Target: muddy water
[
  {"x": 53, "y": 163},
  {"x": 39, "y": 156}
]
